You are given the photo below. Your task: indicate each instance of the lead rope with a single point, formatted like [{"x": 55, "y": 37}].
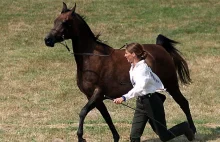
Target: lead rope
[
  {"x": 142, "y": 111},
  {"x": 65, "y": 44}
]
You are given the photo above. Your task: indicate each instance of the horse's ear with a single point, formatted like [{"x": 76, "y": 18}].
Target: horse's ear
[
  {"x": 74, "y": 8},
  {"x": 64, "y": 8}
]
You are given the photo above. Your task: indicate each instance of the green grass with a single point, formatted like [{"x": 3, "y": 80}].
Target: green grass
[{"x": 39, "y": 99}]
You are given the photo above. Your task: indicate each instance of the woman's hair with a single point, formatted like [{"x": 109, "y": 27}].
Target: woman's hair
[{"x": 137, "y": 49}]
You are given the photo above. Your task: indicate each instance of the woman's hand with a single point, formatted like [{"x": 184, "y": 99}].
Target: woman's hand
[{"x": 118, "y": 100}]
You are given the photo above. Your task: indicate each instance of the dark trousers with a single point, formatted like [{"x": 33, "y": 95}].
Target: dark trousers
[{"x": 150, "y": 108}]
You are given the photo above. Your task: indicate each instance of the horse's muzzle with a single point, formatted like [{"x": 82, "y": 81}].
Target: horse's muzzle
[{"x": 49, "y": 41}]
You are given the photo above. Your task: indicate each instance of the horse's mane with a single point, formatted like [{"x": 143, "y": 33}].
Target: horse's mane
[{"x": 95, "y": 37}]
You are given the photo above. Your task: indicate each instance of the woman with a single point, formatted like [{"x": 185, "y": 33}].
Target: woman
[{"x": 146, "y": 86}]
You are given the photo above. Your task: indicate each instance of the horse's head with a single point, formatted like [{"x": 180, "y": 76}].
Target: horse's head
[{"x": 64, "y": 27}]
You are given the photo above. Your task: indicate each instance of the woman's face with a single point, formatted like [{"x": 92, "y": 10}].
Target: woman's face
[{"x": 129, "y": 56}]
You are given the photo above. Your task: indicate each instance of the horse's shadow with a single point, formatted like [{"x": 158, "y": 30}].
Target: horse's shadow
[{"x": 213, "y": 134}]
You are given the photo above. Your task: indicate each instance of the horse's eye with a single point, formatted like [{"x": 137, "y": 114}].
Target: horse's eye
[{"x": 66, "y": 24}]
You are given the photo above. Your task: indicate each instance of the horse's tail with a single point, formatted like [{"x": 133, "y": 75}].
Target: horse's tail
[{"x": 180, "y": 64}]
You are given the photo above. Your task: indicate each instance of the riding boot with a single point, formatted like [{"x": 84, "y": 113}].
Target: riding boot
[{"x": 182, "y": 128}]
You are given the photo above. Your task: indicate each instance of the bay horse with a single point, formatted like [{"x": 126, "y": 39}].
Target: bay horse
[{"x": 103, "y": 70}]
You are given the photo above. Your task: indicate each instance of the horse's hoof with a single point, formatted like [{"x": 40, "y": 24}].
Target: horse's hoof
[
  {"x": 116, "y": 139},
  {"x": 82, "y": 140}
]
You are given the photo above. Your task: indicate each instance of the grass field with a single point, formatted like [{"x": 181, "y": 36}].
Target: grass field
[{"x": 39, "y": 99}]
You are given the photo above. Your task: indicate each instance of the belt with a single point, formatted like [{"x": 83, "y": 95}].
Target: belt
[{"x": 145, "y": 96}]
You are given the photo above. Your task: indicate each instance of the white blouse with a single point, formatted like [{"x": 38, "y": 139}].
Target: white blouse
[{"x": 144, "y": 81}]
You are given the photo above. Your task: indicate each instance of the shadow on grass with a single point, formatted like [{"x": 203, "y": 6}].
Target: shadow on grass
[{"x": 212, "y": 135}]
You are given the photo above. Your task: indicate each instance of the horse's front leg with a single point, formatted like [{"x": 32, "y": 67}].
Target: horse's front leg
[
  {"x": 85, "y": 110},
  {"x": 103, "y": 110}
]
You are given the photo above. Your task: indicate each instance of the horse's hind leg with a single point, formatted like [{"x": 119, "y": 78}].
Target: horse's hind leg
[
  {"x": 103, "y": 110},
  {"x": 184, "y": 105}
]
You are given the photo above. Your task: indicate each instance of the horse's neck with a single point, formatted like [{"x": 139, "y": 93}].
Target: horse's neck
[
  {"x": 90, "y": 45},
  {"x": 81, "y": 48},
  {"x": 83, "y": 45}
]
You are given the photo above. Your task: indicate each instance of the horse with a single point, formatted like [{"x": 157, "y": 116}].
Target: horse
[{"x": 104, "y": 71}]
